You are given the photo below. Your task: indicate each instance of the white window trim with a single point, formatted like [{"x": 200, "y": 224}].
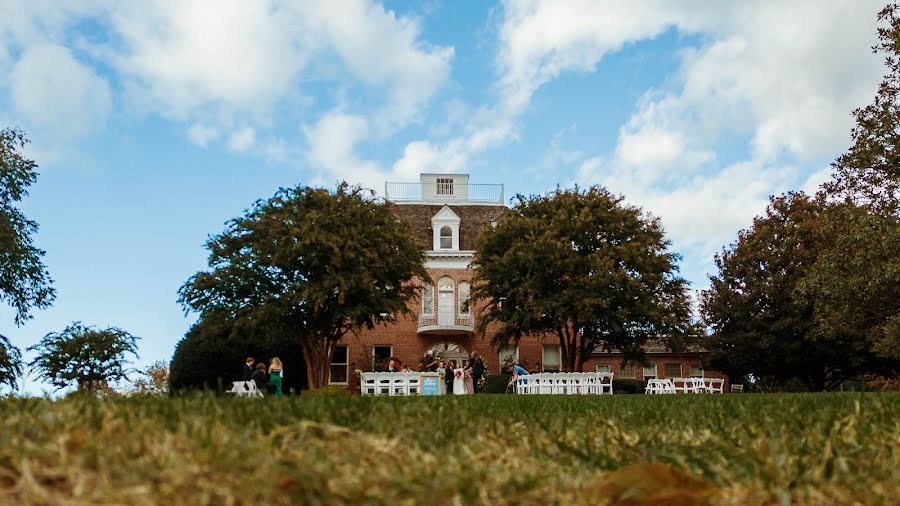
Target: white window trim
[
  {"x": 391, "y": 354},
  {"x": 608, "y": 368},
  {"x": 444, "y": 183},
  {"x": 702, "y": 371},
  {"x": 655, "y": 371},
  {"x": 461, "y": 301},
  {"x": 445, "y": 218},
  {"x": 680, "y": 370},
  {"x": 500, "y": 355},
  {"x": 346, "y": 365},
  {"x": 544, "y": 360},
  {"x": 432, "y": 300}
]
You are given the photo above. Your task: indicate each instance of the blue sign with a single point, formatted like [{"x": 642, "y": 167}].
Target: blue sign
[{"x": 431, "y": 384}]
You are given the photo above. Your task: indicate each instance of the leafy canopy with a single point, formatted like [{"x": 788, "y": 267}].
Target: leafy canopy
[
  {"x": 582, "y": 265},
  {"x": 24, "y": 281},
  {"x": 85, "y": 356},
  {"x": 317, "y": 264},
  {"x": 792, "y": 300},
  {"x": 10, "y": 363}
]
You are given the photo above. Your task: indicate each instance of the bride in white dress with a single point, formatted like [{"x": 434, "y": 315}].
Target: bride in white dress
[{"x": 459, "y": 380}]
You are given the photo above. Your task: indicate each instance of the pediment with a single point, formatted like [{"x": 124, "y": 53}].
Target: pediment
[{"x": 445, "y": 215}]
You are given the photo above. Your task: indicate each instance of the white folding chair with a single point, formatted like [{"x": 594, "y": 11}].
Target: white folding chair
[
  {"x": 367, "y": 384},
  {"x": 604, "y": 382},
  {"x": 412, "y": 382},
  {"x": 715, "y": 385},
  {"x": 698, "y": 386},
  {"x": 383, "y": 383},
  {"x": 738, "y": 388},
  {"x": 575, "y": 383}
]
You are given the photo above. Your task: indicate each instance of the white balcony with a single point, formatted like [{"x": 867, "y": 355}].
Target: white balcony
[{"x": 434, "y": 325}]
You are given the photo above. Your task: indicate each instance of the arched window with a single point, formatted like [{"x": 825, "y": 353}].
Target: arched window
[
  {"x": 428, "y": 299},
  {"x": 446, "y": 238},
  {"x": 464, "y": 308}
]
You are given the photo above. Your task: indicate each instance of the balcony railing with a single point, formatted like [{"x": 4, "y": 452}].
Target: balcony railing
[
  {"x": 430, "y": 323},
  {"x": 428, "y": 192}
]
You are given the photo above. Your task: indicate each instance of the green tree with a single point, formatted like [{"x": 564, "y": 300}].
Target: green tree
[
  {"x": 153, "y": 380},
  {"x": 318, "y": 264},
  {"x": 766, "y": 312},
  {"x": 585, "y": 267},
  {"x": 213, "y": 352},
  {"x": 24, "y": 281},
  {"x": 89, "y": 357},
  {"x": 10, "y": 363}
]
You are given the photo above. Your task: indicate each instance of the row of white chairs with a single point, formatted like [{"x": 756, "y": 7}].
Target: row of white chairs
[
  {"x": 572, "y": 383},
  {"x": 244, "y": 389},
  {"x": 693, "y": 385},
  {"x": 390, "y": 383}
]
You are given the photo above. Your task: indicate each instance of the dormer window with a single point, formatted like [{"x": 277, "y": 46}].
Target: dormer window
[
  {"x": 444, "y": 186},
  {"x": 446, "y": 238}
]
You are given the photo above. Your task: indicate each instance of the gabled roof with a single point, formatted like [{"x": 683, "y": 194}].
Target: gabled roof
[{"x": 446, "y": 214}]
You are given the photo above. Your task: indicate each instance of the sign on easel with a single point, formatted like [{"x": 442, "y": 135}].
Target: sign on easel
[{"x": 431, "y": 384}]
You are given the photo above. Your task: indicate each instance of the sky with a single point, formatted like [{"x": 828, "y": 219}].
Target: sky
[{"x": 155, "y": 122}]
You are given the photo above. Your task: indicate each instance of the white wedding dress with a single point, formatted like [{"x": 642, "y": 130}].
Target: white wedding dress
[{"x": 459, "y": 382}]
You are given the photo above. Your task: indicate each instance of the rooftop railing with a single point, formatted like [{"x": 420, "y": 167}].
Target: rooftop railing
[{"x": 424, "y": 192}]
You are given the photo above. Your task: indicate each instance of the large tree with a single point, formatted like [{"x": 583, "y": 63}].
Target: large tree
[
  {"x": 767, "y": 305},
  {"x": 88, "y": 357},
  {"x": 318, "y": 264},
  {"x": 10, "y": 363},
  {"x": 212, "y": 353},
  {"x": 585, "y": 267},
  {"x": 24, "y": 281}
]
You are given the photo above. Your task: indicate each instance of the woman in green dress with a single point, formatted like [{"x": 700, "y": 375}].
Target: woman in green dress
[{"x": 275, "y": 373}]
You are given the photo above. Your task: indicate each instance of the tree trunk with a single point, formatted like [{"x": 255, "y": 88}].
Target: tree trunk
[{"x": 317, "y": 356}]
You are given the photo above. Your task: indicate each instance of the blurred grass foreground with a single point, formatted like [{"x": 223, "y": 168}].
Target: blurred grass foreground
[{"x": 484, "y": 449}]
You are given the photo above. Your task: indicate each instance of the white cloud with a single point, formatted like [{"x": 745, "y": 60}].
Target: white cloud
[
  {"x": 201, "y": 135},
  {"x": 242, "y": 140},
  {"x": 53, "y": 91},
  {"x": 332, "y": 141},
  {"x": 216, "y": 65},
  {"x": 783, "y": 76}
]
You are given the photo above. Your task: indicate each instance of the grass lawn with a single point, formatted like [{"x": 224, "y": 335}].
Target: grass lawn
[{"x": 485, "y": 449}]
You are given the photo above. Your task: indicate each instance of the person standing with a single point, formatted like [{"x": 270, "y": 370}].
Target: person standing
[
  {"x": 459, "y": 381},
  {"x": 477, "y": 369},
  {"x": 259, "y": 377},
  {"x": 468, "y": 377},
  {"x": 276, "y": 372},
  {"x": 448, "y": 376},
  {"x": 248, "y": 369}
]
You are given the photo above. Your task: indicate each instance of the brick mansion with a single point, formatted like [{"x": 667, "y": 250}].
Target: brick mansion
[{"x": 446, "y": 213}]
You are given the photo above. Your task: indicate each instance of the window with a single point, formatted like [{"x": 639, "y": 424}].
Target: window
[
  {"x": 464, "y": 308},
  {"x": 446, "y": 238},
  {"x": 550, "y": 358},
  {"x": 509, "y": 355},
  {"x": 445, "y": 186},
  {"x": 380, "y": 356},
  {"x": 628, "y": 371},
  {"x": 697, "y": 370},
  {"x": 673, "y": 370},
  {"x": 428, "y": 299},
  {"x": 339, "y": 365},
  {"x": 603, "y": 368},
  {"x": 650, "y": 372}
]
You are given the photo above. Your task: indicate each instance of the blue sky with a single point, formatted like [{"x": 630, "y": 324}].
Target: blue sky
[{"x": 155, "y": 122}]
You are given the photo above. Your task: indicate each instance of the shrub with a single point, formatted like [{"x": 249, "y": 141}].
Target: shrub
[
  {"x": 629, "y": 386},
  {"x": 211, "y": 355}
]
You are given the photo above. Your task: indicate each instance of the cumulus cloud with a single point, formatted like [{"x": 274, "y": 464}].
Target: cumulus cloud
[
  {"x": 242, "y": 140},
  {"x": 781, "y": 76},
  {"x": 214, "y": 65},
  {"x": 55, "y": 92}
]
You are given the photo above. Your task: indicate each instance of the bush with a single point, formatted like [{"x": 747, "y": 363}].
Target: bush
[
  {"x": 496, "y": 383},
  {"x": 211, "y": 355},
  {"x": 629, "y": 386}
]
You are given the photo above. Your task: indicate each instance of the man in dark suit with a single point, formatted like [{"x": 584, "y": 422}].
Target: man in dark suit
[
  {"x": 248, "y": 369},
  {"x": 259, "y": 377}
]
